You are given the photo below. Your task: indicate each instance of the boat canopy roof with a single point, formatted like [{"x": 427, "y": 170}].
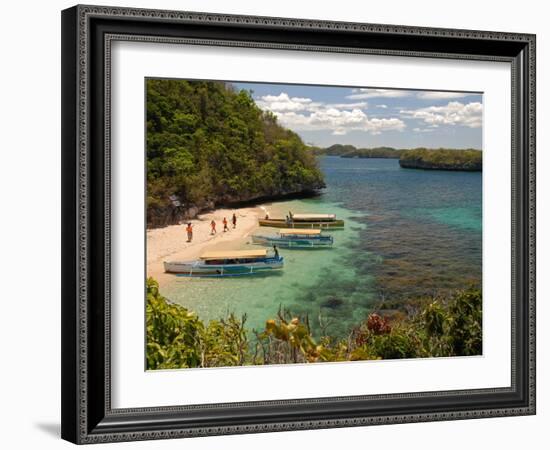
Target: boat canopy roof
[
  {"x": 300, "y": 231},
  {"x": 235, "y": 254},
  {"x": 314, "y": 216}
]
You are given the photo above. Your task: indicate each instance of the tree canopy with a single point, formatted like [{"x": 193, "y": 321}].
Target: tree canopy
[{"x": 209, "y": 144}]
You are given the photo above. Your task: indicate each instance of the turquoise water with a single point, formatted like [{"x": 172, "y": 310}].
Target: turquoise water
[{"x": 408, "y": 233}]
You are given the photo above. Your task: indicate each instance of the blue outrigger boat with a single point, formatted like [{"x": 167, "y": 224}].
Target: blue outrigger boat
[
  {"x": 296, "y": 238},
  {"x": 227, "y": 264}
]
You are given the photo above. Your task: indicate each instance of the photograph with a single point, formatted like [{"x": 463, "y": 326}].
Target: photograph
[{"x": 291, "y": 223}]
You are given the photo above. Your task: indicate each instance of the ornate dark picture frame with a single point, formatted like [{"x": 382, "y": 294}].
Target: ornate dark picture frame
[{"x": 87, "y": 33}]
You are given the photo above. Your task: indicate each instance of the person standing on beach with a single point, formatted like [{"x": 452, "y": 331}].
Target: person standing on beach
[
  {"x": 225, "y": 227},
  {"x": 189, "y": 230},
  {"x": 213, "y": 226},
  {"x": 234, "y": 220}
]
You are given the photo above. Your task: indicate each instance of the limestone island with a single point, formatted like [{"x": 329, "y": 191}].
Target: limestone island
[{"x": 441, "y": 159}]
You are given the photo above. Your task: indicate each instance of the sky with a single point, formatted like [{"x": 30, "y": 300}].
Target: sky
[{"x": 373, "y": 117}]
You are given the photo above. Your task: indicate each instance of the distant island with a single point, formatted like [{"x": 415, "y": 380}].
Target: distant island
[
  {"x": 209, "y": 145},
  {"x": 350, "y": 151},
  {"x": 442, "y": 159},
  {"x": 418, "y": 158}
]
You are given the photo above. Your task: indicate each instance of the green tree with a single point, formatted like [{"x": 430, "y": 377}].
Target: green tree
[{"x": 208, "y": 144}]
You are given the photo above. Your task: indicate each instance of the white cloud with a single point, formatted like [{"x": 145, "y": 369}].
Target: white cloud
[
  {"x": 382, "y": 106},
  {"x": 339, "y": 122},
  {"x": 423, "y": 130},
  {"x": 363, "y": 93},
  {"x": 454, "y": 113},
  {"x": 283, "y": 102},
  {"x": 303, "y": 114},
  {"x": 435, "y": 95}
]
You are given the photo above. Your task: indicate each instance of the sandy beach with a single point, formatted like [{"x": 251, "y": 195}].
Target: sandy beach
[{"x": 170, "y": 243}]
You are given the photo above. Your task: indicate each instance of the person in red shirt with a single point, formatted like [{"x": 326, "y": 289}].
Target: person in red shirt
[
  {"x": 189, "y": 230},
  {"x": 225, "y": 227}
]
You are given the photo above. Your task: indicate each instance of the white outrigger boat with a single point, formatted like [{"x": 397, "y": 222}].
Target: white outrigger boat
[
  {"x": 227, "y": 264},
  {"x": 296, "y": 238},
  {"x": 308, "y": 221}
]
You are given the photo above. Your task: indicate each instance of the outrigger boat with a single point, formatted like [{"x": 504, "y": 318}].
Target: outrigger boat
[
  {"x": 227, "y": 264},
  {"x": 296, "y": 238},
  {"x": 312, "y": 221}
]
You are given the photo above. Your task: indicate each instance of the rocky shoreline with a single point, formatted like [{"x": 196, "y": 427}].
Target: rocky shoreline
[{"x": 173, "y": 215}]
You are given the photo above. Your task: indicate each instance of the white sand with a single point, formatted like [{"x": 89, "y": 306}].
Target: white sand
[{"x": 170, "y": 243}]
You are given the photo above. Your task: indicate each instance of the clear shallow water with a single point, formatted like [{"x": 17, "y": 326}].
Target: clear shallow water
[{"x": 408, "y": 233}]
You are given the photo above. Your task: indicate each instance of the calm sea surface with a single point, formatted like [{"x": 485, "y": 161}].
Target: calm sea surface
[{"x": 408, "y": 233}]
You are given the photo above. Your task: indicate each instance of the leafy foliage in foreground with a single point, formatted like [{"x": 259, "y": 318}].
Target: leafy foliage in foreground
[
  {"x": 177, "y": 338},
  {"x": 208, "y": 144}
]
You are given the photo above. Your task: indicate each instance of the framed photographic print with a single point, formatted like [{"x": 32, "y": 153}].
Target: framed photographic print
[{"x": 282, "y": 224}]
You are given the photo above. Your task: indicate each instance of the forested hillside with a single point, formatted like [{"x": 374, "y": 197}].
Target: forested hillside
[{"x": 209, "y": 145}]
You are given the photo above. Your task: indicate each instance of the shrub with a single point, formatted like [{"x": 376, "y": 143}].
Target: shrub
[{"x": 177, "y": 338}]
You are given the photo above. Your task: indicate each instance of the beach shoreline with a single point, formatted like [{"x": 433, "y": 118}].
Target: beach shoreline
[{"x": 170, "y": 243}]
